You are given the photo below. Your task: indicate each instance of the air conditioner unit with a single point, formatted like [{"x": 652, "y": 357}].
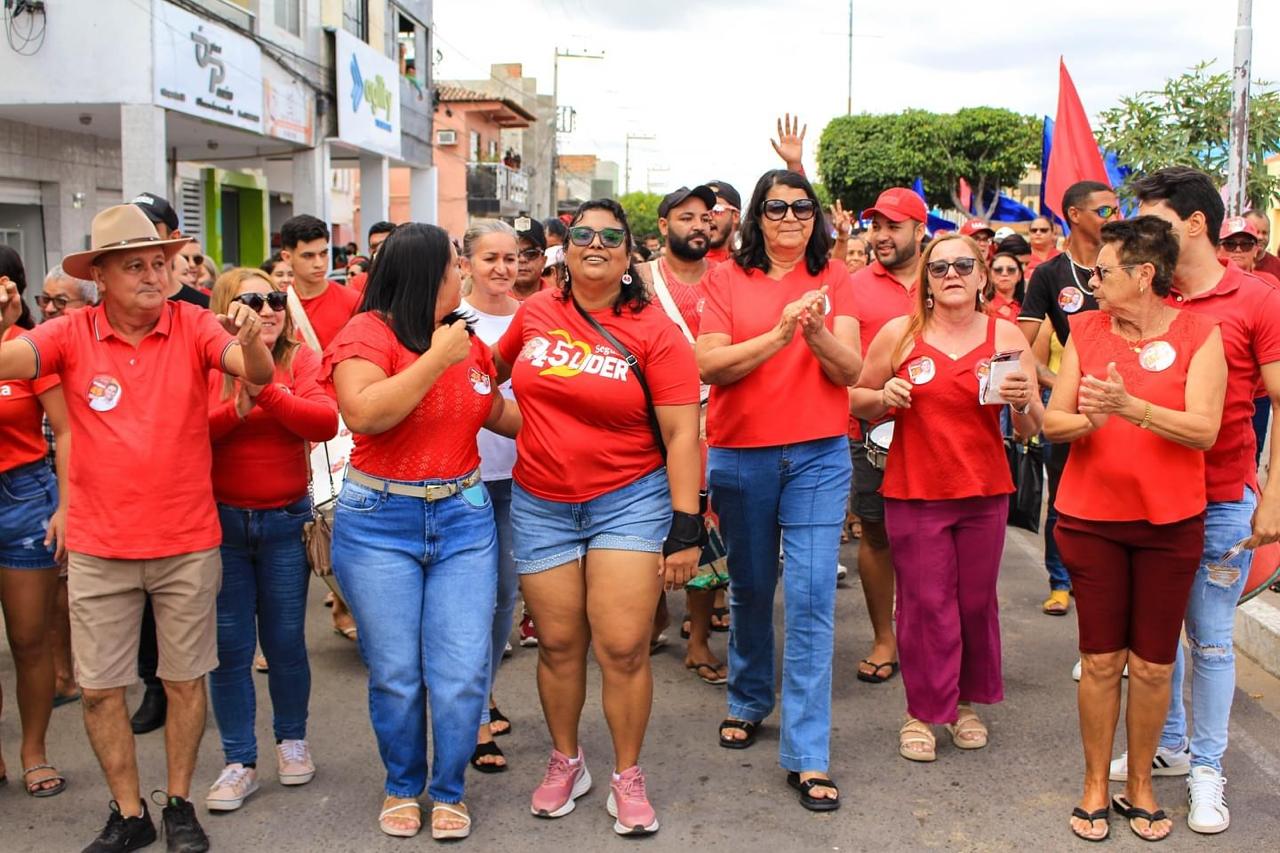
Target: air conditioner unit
[{"x": 446, "y": 137}]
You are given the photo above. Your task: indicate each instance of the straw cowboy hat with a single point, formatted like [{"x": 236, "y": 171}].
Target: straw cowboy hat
[{"x": 115, "y": 229}]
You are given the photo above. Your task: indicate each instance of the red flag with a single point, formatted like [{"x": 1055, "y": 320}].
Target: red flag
[
  {"x": 1075, "y": 156},
  {"x": 965, "y": 192}
]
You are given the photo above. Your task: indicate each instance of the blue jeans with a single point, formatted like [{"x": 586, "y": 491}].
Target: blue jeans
[
  {"x": 794, "y": 493},
  {"x": 28, "y": 498},
  {"x": 263, "y": 599},
  {"x": 421, "y": 580},
  {"x": 508, "y": 581},
  {"x": 1211, "y": 614}
]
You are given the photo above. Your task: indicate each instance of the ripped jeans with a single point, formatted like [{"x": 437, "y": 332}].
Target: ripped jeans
[{"x": 1211, "y": 614}]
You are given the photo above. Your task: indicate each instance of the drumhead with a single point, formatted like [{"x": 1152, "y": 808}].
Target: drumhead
[
  {"x": 882, "y": 434},
  {"x": 1263, "y": 572}
]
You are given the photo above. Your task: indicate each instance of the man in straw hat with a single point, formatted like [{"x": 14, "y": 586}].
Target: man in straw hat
[{"x": 142, "y": 517}]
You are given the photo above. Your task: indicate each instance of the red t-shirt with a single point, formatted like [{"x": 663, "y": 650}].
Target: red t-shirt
[
  {"x": 1267, "y": 277},
  {"x": 687, "y": 297},
  {"x": 331, "y": 310},
  {"x": 715, "y": 257},
  {"x": 1004, "y": 308},
  {"x": 586, "y": 425},
  {"x": 1122, "y": 472},
  {"x": 1269, "y": 263},
  {"x": 1033, "y": 261},
  {"x": 878, "y": 297},
  {"x": 946, "y": 445},
  {"x": 273, "y": 440},
  {"x": 358, "y": 281},
  {"x": 21, "y": 434},
  {"x": 140, "y": 452},
  {"x": 437, "y": 441},
  {"x": 1248, "y": 312},
  {"x": 787, "y": 399}
]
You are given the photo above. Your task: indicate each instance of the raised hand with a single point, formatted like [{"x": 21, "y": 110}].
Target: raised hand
[
  {"x": 790, "y": 142},
  {"x": 841, "y": 220},
  {"x": 241, "y": 321},
  {"x": 10, "y": 303}
]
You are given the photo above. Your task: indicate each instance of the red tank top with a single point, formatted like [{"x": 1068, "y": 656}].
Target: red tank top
[
  {"x": 947, "y": 445},
  {"x": 1122, "y": 472}
]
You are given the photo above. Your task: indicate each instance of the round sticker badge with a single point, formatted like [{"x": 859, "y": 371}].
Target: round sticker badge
[
  {"x": 104, "y": 393},
  {"x": 921, "y": 370},
  {"x": 1070, "y": 299},
  {"x": 1157, "y": 356},
  {"x": 479, "y": 381}
]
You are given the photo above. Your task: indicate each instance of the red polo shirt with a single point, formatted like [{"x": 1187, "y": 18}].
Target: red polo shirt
[
  {"x": 331, "y": 310},
  {"x": 21, "y": 438},
  {"x": 878, "y": 297},
  {"x": 1248, "y": 313},
  {"x": 140, "y": 452}
]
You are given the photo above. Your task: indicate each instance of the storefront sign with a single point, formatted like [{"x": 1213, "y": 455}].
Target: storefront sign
[
  {"x": 206, "y": 70},
  {"x": 289, "y": 107},
  {"x": 368, "y": 96}
]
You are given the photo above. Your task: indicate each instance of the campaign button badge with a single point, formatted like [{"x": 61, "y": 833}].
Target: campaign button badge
[
  {"x": 1071, "y": 299},
  {"x": 104, "y": 393},
  {"x": 921, "y": 370},
  {"x": 1157, "y": 356}
]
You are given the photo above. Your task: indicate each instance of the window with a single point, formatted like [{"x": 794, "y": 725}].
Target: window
[
  {"x": 289, "y": 16},
  {"x": 355, "y": 18},
  {"x": 493, "y": 149},
  {"x": 474, "y": 151},
  {"x": 238, "y": 12},
  {"x": 407, "y": 48}
]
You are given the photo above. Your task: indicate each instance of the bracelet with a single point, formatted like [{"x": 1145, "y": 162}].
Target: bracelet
[
  {"x": 687, "y": 531},
  {"x": 1146, "y": 418},
  {"x": 1024, "y": 410}
]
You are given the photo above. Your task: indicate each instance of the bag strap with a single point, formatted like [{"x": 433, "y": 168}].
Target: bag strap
[
  {"x": 301, "y": 322},
  {"x": 634, "y": 366},
  {"x": 668, "y": 303}
]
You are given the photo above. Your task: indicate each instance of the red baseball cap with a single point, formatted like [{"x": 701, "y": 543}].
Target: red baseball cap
[
  {"x": 976, "y": 226},
  {"x": 1237, "y": 225},
  {"x": 897, "y": 204}
]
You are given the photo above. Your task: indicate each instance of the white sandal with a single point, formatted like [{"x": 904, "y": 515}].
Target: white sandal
[
  {"x": 461, "y": 832},
  {"x": 915, "y": 731},
  {"x": 968, "y": 732},
  {"x": 397, "y": 831}
]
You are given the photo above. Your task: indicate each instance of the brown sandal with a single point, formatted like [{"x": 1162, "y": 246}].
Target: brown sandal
[{"x": 967, "y": 732}]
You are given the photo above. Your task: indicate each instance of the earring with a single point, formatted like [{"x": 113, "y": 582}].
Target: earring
[
  {"x": 981, "y": 297},
  {"x": 928, "y": 301},
  {"x": 626, "y": 279}
]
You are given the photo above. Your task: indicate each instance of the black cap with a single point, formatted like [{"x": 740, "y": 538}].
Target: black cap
[
  {"x": 531, "y": 229},
  {"x": 157, "y": 209},
  {"x": 1014, "y": 244},
  {"x": 725, "y": 190},
  {"x": 680, "y": 196}
]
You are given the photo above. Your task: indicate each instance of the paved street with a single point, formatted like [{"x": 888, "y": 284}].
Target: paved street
[{"x": 1014, "y": 795}]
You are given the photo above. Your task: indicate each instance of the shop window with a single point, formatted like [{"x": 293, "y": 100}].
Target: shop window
[
  {"x": 411, "y": 48},
  {"x": 289, "y": 16},
  {"x": 355, "y": 18}
]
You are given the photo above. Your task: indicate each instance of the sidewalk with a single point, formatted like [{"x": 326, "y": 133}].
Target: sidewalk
[{"x": 1258, "y": 630}]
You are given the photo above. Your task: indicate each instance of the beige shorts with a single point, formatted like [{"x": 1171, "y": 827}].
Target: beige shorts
[{"x": 106, "y": 599}]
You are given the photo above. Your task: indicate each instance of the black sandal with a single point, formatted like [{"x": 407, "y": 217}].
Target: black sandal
[
  {"x": 810, "y": 802},
  {"x": 1132, "y": 813},
  {"x": 874, "y": 677},
  {"x": 1101, "y": 814},
  {"x": 743, "y": 725},
  {"x": 486, "y": 749},
  {"x": 685, "y": 627},
  {"x": 496, "y": 716},
  {"x": 719, "y": 613}
]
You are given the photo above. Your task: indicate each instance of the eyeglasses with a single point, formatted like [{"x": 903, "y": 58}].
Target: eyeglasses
[
  {"x": 610, "y": 238},
  {"x": 195, "y": 260},
  {"x": 1243, "y": 245},
  {"x": 775, "y": 209},
  {"x": 723, "y": 208},
  {"x": 1039, "y": 230},
  {"x": 276, "y": 299},
  {"x": 938, "y": 269},
  {"x": 59, "y": 302},
  {"x": 1100, "y": 272},
  {"x": 1004, "y": 270},
  {"x": 1106, "y": 211},
  {"x": 531, "y": 254}
]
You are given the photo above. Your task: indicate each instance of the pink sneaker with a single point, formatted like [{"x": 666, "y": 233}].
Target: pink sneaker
[
  {"x": 565, "y": 781},
  {"x": 629, "y": 804}
]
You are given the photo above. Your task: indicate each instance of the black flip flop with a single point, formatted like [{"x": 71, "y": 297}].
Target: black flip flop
[
  {"x": 734, "y": 743},
  {"x": 874, "y": 677},
  {"x": 1100, "y": 814},
  {"x": 684, "y": 632},
  {"x": 496, "y": 716},
  {"x": 484, "y": 749},
  {"x": 720, "y": 612},
  {"x": 1132, "y": 813},
  {"x": 810, "y": 802}
]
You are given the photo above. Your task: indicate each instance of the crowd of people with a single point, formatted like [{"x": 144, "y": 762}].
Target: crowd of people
[{"x": 556, "y": 413}]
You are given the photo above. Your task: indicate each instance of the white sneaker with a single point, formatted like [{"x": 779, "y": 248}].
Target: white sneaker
[
  {"x": 234, "y": 785},
  {"x": 293, "y": 758},
  {"x": 1075, "y": 670},
  {"x": 842, "y": 571},
  {"x": 1207, "y": 805},
  {"x": 1168, "y": 762}
]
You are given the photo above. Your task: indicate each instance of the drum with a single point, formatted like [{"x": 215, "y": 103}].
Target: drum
[
  {"x": 877, "y": 444},
  {"x": 1264, "y": 571}
]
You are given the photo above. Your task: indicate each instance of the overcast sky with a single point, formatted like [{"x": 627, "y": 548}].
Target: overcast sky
[{"x": 708, "y": 77}]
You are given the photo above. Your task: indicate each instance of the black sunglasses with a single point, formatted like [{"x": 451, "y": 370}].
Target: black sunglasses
[
  {"x": 1247, "y": 244},
  {"x": 775, "y": 209},
  {"x": 1106, "y": 211},
  {"x": 277, "y": 299},
  {"x": 1039, "y": 230},
  {"x": 938, "y": 269},
  {"x": 610, "y": 238}
]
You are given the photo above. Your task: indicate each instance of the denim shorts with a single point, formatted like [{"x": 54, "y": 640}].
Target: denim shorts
[
  {"x": 28, "y": 497},
  {"x": 546, "y": 534}
]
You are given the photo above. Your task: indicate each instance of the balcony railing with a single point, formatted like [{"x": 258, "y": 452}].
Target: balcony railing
[{"x": 496, "y": 190}]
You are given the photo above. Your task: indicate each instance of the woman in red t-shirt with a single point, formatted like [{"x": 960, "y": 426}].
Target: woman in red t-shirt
[
  {"x": 415, "y": 549},
  {"x": 1006, "y": 288},
  {"x": 599, "y": 523},
  {"x": 1139, "y": 397},
  {"x": 946, "y": 487},
  {"x": 33, "y": 510},
  {"x": 266, "y": 429},
  {"x": 778, "y": 344}
]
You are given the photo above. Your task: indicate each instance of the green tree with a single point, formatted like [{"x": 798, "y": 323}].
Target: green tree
[
  {"x": 642, "y": 212},
  {"x": 1187, "y": 123},
  {"x": 990, "y": 148}
]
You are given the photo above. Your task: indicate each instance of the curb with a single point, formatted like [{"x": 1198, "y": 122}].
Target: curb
[{"x": 1258, "y": 632}]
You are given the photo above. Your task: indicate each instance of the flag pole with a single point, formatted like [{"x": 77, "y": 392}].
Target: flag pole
[{"x": 1238, "y": 165}]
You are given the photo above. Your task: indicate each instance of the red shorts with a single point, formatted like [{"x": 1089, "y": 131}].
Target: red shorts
[{"x": 1132, "y": 580}]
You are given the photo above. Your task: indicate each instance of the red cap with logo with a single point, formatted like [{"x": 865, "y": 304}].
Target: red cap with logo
[
  {"x": 897, "y": 204},
  {"x": 1234, "y": 225},
  {"x": 975, "y": 226}
]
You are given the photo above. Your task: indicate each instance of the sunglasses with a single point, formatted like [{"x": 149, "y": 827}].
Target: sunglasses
[
  {"x": 276, "y": 299},
  {"x": 1106, "y": 211},
  {"x": 723, "y": 208},
  {"x": 1039, "y": 230},
  {"x": 1004, "y": 270},
  {"x": 1245, "y": 245},
  {"x": 531, "y": 254},
  {"x": 938, "y": 269},
  {"x": 196, "y": 260},
  {"x": 610, "y": 238},
  {"x": 60, "y": 302},
  {"x": 1100, "y": 272},
  {"x": 775, "y": 209}
]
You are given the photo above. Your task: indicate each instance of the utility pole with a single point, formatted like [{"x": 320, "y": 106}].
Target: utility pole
[
  {"x": 555, "y": 119},
  {"x": 1238, "y": 165},
  {"x": 648, "y": 176},
  {"x": 848, "y": 108},
  {"x": 627, "y": 159}
]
